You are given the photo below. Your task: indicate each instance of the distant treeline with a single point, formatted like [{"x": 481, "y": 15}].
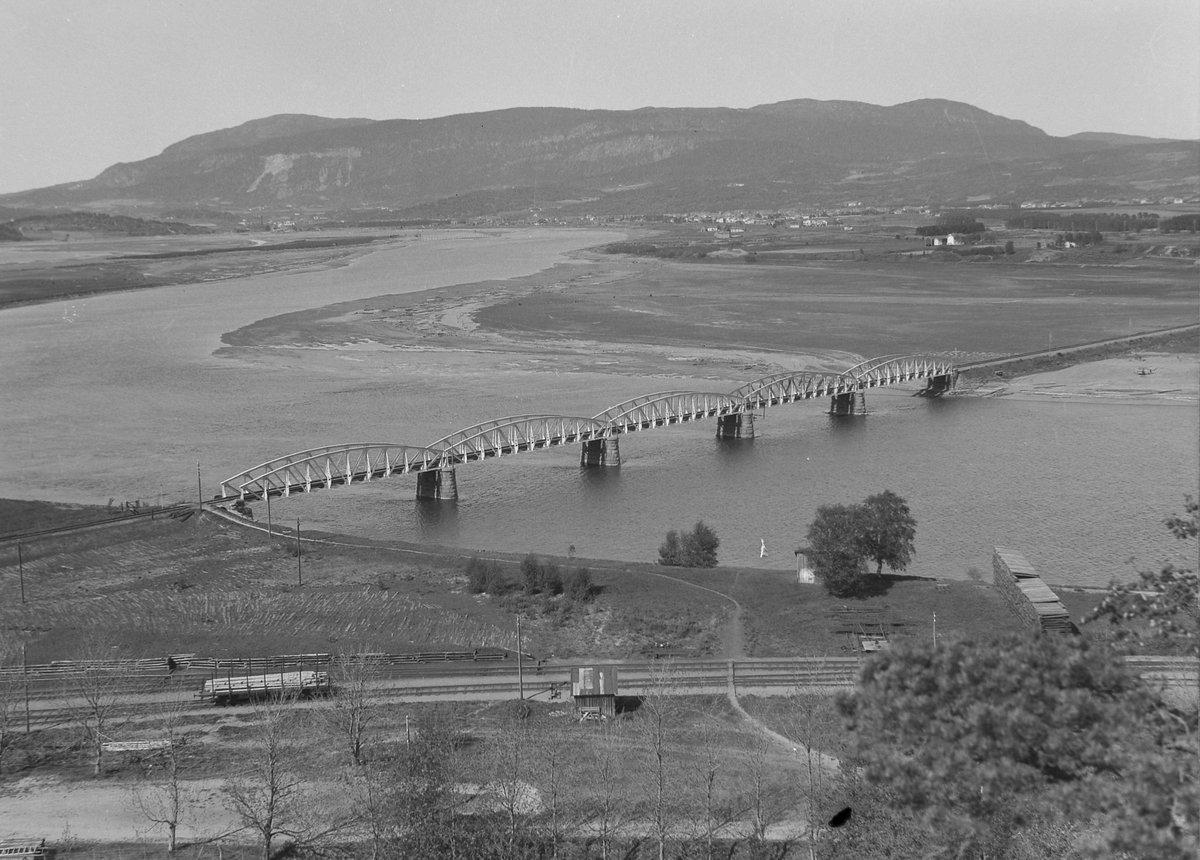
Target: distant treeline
[
  {"x": 1179, "y": 223},
  {"x": 1109, "y": 222},
  {"x": 646, "y": 249},
  {"x": 1094, "y": 237},
  {"x": 945, "y": 226},
  {"x": 201, "y": 214},
  {"x": 94, "y": 222}
]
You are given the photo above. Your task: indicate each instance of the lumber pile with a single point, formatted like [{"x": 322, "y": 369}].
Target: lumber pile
[{"x": 1031, "y": 599}]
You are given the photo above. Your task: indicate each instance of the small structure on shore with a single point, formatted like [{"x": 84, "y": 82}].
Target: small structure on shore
[
  {"x": 594, "y": 689},
  {"x": 804, "y": 572}
]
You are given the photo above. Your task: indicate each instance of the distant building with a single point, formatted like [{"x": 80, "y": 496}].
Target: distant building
[{"x": 948, "y": 239}]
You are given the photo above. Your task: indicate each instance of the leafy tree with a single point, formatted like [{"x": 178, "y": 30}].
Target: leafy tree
[
  {"x": 837, "y": 556},
  {"x": 1010, "y": 248},
  {"x": 888, "y": 531},
  {"x": 700, "y": 546},
  {"x": 983, "y": 738},
  {"x": 695, "y": 548},
  {"x": 1155, "y": 812},
  {"x": 1161, "y": 608},
  {"x": 670, "y": 551}
]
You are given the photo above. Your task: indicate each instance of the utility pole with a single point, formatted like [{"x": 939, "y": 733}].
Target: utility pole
[
  {"x": 520, "y": 670},
  {"x": 21, "y": 570},
  {"x": 268, "y": 495},
  {"x": 199, "y": 489},
  {"x": 935, "y": 629},
  {"x": 299, "y": 573},
  {"x": 25, "y": 677}
]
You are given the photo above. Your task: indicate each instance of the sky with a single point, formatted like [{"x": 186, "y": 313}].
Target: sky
[{"x": 89, "y": 83}]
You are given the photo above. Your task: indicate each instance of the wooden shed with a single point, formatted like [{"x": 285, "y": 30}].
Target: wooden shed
[{"x": 594, "y": 689}]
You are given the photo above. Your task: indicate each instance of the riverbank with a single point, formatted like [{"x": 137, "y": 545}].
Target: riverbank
[{"x": 1153, "y": 364}]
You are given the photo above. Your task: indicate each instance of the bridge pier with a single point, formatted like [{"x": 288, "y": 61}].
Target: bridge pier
[
  {"x": 938, "y": 385},
  {"x": 737, "y": 426},
  {"x": 850, "y": 403},
  {"x": 437, "y": 484},
  {"x": 600, "y": 452}
]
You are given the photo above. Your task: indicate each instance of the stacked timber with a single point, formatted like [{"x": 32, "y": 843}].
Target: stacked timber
[{"x": 1023, "y": 590}]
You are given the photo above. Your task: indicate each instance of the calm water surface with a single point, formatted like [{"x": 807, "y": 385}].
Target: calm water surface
[{"x": 120, "y": 396}]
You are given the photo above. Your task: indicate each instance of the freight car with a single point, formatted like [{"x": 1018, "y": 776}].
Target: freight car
[{"x": 245, "y": 688}]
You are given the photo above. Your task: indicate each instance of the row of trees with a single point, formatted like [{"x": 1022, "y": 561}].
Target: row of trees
[
  {"x": 1179, "y": 223},
  {"x": 945, "y": 226},
  {"x": 843, "y": 538},
  {"x": 1109, "y": 222},
  {"x": 1094, "y": 237}
]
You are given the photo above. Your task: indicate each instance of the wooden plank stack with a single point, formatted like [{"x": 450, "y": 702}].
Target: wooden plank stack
[{"x": 1023, "y": 590}]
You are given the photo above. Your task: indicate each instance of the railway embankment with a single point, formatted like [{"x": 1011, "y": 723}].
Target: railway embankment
[{"x": 1181, "y": 339}]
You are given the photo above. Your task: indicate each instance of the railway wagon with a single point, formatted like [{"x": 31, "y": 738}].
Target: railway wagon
[{"x": 245, "y": 688}]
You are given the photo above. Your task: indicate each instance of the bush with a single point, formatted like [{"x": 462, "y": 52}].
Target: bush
[
  {"x": 486, "y": 577},
  {"x": 538, "y": 577},
  {"x": 696, "y": 548},
  {"x": 577, "y": 585}
]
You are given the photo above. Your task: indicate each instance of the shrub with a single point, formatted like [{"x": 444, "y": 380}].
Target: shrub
[
  {"x": 486, "y": 577},
  {"x": 538, "y": 577},
  {"x": 577, "y": 585}
]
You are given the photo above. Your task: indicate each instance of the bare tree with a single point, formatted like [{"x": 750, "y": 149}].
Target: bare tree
[
  {"x": 163, "y": 798},
  {"x": 766, "y": 798},
  {"x": 352, "y": 711},
  {"x": 368, "y": 788},
  {"x": 610, "y": 805},
  {"x": 10, "y": 700},
  {"x": 553, "y": 767},
  {"x": 657, "y": 726},
  {"x": 97, "y": 682},
  {"x": 265, "y": 797},
  {"x": 708, "y": 774},
  {"x": 811, "y": 720},
  {"x": 509, "y": 768}
]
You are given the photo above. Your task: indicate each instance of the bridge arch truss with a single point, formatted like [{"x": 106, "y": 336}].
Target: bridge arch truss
[
  {"x": 514, "y": 435},
  {"x": 891, "y": 369},
  {"x": 330, "y": 466},
  {"x": 779, "y": 388},
  {"x": 666, "y": 407}
]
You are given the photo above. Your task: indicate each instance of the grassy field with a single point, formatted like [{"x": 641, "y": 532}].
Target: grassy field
[{"x": 205, "y": 586}]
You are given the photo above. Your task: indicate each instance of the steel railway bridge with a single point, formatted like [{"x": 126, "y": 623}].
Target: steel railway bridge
[{"x": 598, "y": 436}]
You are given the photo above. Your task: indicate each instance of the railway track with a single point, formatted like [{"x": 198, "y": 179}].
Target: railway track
[{"x": 55, "y": 699}]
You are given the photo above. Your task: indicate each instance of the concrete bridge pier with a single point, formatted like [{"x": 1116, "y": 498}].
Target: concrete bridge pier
[
  {"x": 739, "y": 426},
  {"x": 850, "y": 403},
  {"x": 437, "y": 484},
  {"x": 600, "y": 452},
  {"x": 938, "y": 385}
]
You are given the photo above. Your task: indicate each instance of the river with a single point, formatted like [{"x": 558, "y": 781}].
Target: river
[{"x": 120, "y": 396}]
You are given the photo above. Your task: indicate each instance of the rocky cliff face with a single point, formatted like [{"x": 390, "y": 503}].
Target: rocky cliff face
[{"x": 685, "y": 158}]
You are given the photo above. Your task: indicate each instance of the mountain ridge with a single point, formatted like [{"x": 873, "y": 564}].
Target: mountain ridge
[{"x": 679, "y": 159}]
